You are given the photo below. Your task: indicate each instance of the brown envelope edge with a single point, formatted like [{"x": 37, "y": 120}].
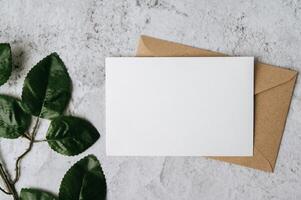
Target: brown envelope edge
[{"x": 282, "y": 78}]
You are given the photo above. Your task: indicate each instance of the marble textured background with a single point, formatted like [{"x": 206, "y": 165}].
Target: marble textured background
[{"x": 84, "y": 32}]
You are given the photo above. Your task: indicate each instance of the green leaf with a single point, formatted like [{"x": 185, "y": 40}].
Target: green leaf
[
  {"x": 70, "y": 136},
  {"x": 34, "y": 194},
  {"x": 13, "y": 120},
  {"x": 84, "y": 180},
  {"x": 47, "y": 88},
  {"x": 5, "y": 62}
]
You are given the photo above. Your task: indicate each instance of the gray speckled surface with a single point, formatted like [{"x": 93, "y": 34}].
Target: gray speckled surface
[{"x": 85, "y": 32}]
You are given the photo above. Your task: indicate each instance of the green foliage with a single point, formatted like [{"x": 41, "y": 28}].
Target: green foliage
[
  {"x": 47, "y": 88},
  {"x": 71, "y": 135},
  {"x": 46, "y": 93},
  {"x": 34, "y": 194},
  {"x": 13, "y": 120},
  {"x": 5, "y": 63},
  {"x": 84, "y": 180}
]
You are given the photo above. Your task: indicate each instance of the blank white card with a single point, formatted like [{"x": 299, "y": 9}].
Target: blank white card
[{"x": 193, "y": 106}]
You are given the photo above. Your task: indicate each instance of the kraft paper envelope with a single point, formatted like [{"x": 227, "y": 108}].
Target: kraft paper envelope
[{"x": 273, "y": 92}]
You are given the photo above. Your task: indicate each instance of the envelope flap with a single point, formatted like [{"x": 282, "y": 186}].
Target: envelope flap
[
  {"x": 266, "y": 76},
  {"x": 149, "y": 46}
]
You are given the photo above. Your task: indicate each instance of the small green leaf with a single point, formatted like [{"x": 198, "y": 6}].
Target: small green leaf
[
  {"x": 47, "y": 88},
  {"x": 84, "y": 180},
  {"x": 13, "y": 120},
  {"x": 34, "y": 194},
  {"x": 70, "y": 136},
  {"x": 5, "y": 62}
]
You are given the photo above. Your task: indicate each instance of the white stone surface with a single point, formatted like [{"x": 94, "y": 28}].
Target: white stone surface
[{"x": 85, "y": 32}]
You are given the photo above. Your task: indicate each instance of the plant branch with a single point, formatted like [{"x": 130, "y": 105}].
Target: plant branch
[
  {"x": 26, "y": 136},
  {"x": 35, "y": 141},
  {"x": 5, "y": 192},
  {"x": 10, "y": 185},
  {"x": 4, "y": 178},
  {"x": 19, "y": 159}
]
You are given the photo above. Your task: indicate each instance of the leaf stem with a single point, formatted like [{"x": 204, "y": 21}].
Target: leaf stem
[
  {"x": 26, "y": 136},
  {"x": 4, "y": 191},
  {"x": 4, "y": 178},
  {"x": 19, "y": 159},
  {"x": 9, "y": 184}
]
